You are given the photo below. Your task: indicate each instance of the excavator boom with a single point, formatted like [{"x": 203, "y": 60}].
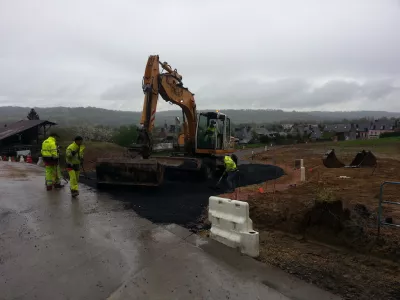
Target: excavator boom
[
  {"x": 147, "y": 170},
  {"x": 169, "y": 85}
]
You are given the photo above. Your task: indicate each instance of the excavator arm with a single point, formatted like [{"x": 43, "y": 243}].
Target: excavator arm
[{"x": 169, "y": 85}]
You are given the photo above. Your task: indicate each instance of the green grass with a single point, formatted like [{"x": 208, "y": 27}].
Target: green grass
[
  {"x": 377, "y": 146},
  {"x": 392, "y": 141}
]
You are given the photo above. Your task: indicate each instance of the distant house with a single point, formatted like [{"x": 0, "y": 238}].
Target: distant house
[
  {"x": 362, "y": 130},
  {"x": 311, "y": 131},
  {"x": 283, "y": 134},
  {"x": 381, "y": 126},
  {"x": 244, "y": 134},
  {"x": 287, "y": 127},
  {"x": 23, "y": 135},
  {"x": 342, "y": 132}
]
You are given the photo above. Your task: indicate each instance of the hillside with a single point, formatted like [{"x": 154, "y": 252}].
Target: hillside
[{"x": 66, "y": 116}]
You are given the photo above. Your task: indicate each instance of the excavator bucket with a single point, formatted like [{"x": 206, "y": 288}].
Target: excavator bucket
[
  {"x": 331, "y": 161},
  {"x": 364, "y": 159},
  {"x": 123, "y": 171}
]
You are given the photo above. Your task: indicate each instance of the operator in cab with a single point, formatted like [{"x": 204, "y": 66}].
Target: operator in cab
[
  {"x": 50, "y": 155},
  {"x": 74, "y": 160},
  {"x": 211, "y": 133},
  {"x": 231, "y": 171}
]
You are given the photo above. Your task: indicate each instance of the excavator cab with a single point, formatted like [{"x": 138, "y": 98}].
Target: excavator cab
[{"x": 213, "y": 133}]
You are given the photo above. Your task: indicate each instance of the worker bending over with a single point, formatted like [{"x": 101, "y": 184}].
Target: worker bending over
[
  {"x": 50, "y": 157},
  {"x": 231, "y": 171},
  {"x": 74, "y": 160}
]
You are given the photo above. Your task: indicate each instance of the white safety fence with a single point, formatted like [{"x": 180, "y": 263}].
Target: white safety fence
[{"x": 232, "y": 226}]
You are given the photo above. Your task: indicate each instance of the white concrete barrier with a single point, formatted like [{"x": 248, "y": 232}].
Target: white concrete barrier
[
  {"x": 21, "y": 159},
  {"x": 232, "y": 226},
  {"x": 9, "y": 158},
  {"x": 40, "y": 162}
]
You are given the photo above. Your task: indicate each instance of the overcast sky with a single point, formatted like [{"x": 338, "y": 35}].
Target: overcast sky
[{"x": 288, "y": 54}]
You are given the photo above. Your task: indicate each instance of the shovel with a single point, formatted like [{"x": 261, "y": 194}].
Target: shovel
[
  {"x": 84, "y": 173},
  {"x": 216, "y": 187}
]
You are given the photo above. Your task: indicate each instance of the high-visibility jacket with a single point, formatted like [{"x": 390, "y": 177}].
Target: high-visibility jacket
[
  {"x": 211, "y": 130},
  {"x": 229, "y": 164},
  {"x": 79, "y": 152},
  {"x": 49, "y": 148}
]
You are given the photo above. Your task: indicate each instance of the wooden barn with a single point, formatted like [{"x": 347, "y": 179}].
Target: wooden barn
[{"x": 23, "y": 135}]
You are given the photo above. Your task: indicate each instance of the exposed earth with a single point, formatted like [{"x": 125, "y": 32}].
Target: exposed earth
[{"x": 325, "y": 230}]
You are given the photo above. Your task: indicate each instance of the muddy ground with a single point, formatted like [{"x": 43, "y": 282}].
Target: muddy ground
[{"x": 325, "y": 230}]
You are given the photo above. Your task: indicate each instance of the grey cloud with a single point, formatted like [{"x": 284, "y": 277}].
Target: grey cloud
[
  {"x": 300, "y": 94},
  {"x": 123, "y": 92},
  {"x": 262, "y": 53}
]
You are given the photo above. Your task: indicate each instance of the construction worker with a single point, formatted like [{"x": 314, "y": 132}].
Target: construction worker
[
  {"x": 74, "y": 160},
  {"x": 231, "y": 171},
  {"x": 211, "y": 133},
  {"x": 51, "y": 161}
]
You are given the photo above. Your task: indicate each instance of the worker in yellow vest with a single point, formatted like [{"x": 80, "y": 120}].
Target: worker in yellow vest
[
  {"x": 50, "y": 157},
  {"x": 74, "y": 160},
  {"x": 211, "y": 133},
  {"x": 231, "y": 171}
]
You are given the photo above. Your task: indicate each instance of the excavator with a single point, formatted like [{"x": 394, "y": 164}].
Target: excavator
[{"x": 204, "y": 138}]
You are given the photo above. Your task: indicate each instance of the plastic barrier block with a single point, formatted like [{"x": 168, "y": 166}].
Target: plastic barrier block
[{"x": 232, "y": 226}]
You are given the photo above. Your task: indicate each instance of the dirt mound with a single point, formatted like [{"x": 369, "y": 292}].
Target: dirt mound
[{"x": 327, "y": 214}]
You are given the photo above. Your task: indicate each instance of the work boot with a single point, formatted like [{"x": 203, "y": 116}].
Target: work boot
[
  {"x": 58, "y": 185},
  {"x": 49, "y": 187},
  {"x": 74, "y": 193}
]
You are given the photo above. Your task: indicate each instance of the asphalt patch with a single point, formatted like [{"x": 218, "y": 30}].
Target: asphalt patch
[{"x": 181, "y": 199}]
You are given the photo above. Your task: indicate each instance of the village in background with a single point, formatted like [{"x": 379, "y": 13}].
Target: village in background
[{"x": 26, "y": 135}]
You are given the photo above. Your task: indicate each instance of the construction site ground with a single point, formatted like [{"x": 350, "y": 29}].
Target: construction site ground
[
  {"x": 325, "y": 229},
  {"x": 91, "y": 247}
]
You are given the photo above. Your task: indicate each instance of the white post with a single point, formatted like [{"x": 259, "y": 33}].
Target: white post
[
  {"x": 302, "y": 174},
  {"x": 21, "y": 159},
  {"x": 9, "y": 158},
  {"x": 265, "y": 148}
]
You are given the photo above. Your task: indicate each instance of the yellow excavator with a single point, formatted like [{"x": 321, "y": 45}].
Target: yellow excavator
[{"x": 204, "y": 139}]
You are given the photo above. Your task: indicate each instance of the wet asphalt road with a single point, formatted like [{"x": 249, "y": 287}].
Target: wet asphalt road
[{"x": 54, "y": 247}]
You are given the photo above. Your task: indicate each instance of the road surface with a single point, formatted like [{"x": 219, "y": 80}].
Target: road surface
[{"x": 55, "y": 247}]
